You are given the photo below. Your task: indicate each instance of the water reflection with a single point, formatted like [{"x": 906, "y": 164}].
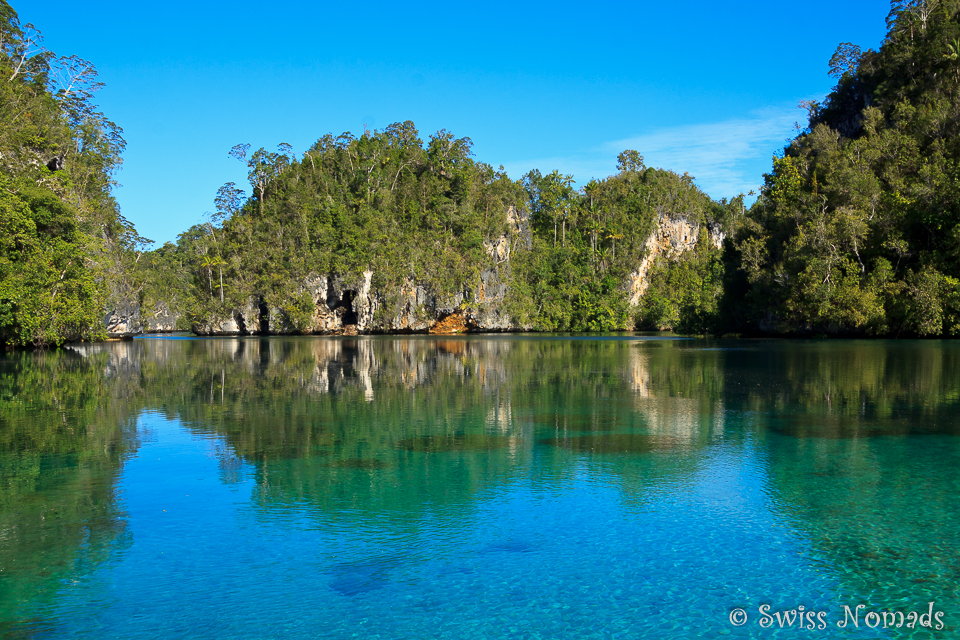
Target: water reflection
[
  {"x": 456, "y": 442},
  {"x": 66, "y": 425},
  {"x": 856, "y": 442},
  {"x": 616, "y": 443},
  {"x": 859, "y": 441}
]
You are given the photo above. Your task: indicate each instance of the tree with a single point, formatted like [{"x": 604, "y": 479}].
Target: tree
[
  {"x": 208, "y": 263},
  {"x": 47, "y": 293},
  {"x": 263, "y": 167},
  {"x": 845, "y": 60},
  {"x": 228, "y": 201},
  {"x": 555, "y": 199},
  {"x": 447, "y": 153},
  {"x": 858, "y": 225},
  {"x": 630, "y": 160},
  {"x": 74, "y": 83},
  {"x": 67, "y": 254}
]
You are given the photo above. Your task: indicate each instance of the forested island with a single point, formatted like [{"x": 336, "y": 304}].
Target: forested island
[{"x": 855, "y": 232}]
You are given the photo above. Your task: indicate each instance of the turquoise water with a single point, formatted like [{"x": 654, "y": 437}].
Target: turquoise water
[{"x": 477, "y": 487}]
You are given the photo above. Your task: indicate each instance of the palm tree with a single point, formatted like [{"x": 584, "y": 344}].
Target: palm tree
[
  {"x": 208, "y": 263},
  {"x": 953, "y": 55},
  {"x": 953, "y": 50},
  {"x": 614, "y": 236}
]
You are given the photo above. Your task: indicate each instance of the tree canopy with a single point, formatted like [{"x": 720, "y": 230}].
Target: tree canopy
[
  {"x": 63, "y": 243},
  {"x": 857, "y": 228}
]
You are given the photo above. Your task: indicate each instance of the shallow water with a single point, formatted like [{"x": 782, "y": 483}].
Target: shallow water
[{"x": 478, "y": 487}]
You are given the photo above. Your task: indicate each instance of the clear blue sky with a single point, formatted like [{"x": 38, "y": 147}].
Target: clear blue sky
[{"x": 709, "y": 88}]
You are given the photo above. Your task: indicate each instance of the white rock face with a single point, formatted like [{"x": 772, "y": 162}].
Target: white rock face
[
  {"x": 248, "y": 317},
  {"x": 365, "y": 303},
  {"x": 672, "y": 237},
  {"x": 123, "y": 319},
  {"x": 487, "y": 314},
  {"x": 217, "y": 327},
  {"x": 277, "y": 322},
  {"x": 717, "y": 235},
  {"x": 324, "y": 320},
  {"x": 413, "y": 313},
  {"x": 519, "y": 221},
  {"x": 499, "y": 249},
  {"x": 160, "y": 319}
]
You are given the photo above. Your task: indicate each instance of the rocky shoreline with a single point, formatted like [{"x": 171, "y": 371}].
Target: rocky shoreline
[{"x": 344, "y": 306}]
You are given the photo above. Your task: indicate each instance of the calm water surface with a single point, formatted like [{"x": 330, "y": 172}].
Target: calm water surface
[{"x": 478, "y": 487}]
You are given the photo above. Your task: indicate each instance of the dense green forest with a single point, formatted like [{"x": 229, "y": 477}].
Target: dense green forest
[
  {"x": 855, "y": 231},
  {"x": 427, "y": 213},
  {"x": 64, "y": 247}
]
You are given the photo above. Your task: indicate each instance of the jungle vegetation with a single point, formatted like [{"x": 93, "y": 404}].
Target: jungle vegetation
[
  {"x": 64, "y": 247},
  {"x": 428, "y": 213},
  {"x": 856, "y": 230}
]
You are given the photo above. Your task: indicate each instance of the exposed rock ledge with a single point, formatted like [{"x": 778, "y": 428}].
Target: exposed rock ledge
[
  {"x": 343, "y": 306},
  {"x": 351, "y": 307},
  {"x": 672, "y": 237},
  {"x": 456, "y": 322},
  {"x": 127, "y": 317}
]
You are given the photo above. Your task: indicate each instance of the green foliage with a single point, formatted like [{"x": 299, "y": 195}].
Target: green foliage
[
  {"x": 685, "y": 292},
  {"x": 384, "y": 202},
  {"x": 47, "y": 294},
  {"x": 856, "y": 230},
  {"x": 381, "y": 202},
  {"x": 406, "y": 211},
  {"x": 578, "y": 279},
  {"x": 857, "y": 227},
  {"x": 58, "y": 261}
]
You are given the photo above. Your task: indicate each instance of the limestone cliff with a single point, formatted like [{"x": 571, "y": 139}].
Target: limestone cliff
[
  {"x": 122, "y": 319},
  {"x": 672, "y": 237},
  {"x": 345, "y": 305},
  {"x": 348, "y": 306}
]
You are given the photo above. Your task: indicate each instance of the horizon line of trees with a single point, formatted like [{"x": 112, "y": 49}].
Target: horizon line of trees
[
  {"x": 856, "y": 230},
  {"x": 427, "y": 212}
]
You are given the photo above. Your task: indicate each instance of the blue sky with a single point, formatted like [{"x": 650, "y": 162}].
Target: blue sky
[{"x": 704, "y": 87}]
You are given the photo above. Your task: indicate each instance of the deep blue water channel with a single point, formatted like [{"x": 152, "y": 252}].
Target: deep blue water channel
[{"x": 480, "y": 487}]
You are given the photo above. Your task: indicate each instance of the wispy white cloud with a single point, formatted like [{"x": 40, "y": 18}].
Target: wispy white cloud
[{"x": 725, "y": 158}]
